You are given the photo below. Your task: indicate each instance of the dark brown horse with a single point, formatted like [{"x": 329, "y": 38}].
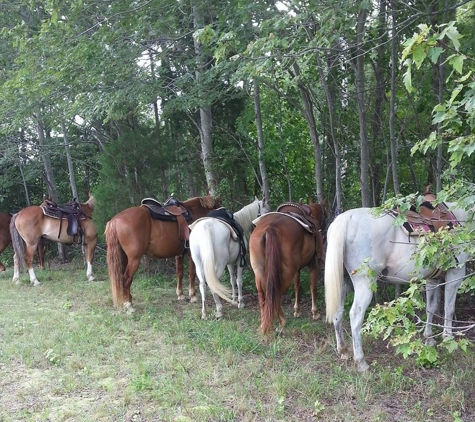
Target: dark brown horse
[
  {"x": 31, "y": 224},
  {"x": 133, "y": 233},
  {"x": 282, "y": 244},
  {"x": 6, "y": 239}
]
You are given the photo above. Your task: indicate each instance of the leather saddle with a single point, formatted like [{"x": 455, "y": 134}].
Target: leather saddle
[
  {"x": 429, "y": 217},
  {"x": 71, "y": 212},
  {"x": 227, "y": 216},
  {"x": 303, "y": 213},
  {"x": 171, "y": 210}
]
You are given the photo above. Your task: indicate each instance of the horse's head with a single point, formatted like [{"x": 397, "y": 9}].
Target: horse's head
[
  {"x": 88, "y": 206},
  {"x": 319, "y": 212},
  {"x": 263, "y": 206}
]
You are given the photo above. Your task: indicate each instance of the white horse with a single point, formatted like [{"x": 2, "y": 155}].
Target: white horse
[
  {"x": 215, "y": 246},
  {"x": 357, "y": 238}
]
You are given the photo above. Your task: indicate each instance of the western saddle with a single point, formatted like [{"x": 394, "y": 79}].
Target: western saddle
[
  {"x": 171, "y": 210},
  {"x": 71, "y": 212},
  {"x": 429, "y": 217}
]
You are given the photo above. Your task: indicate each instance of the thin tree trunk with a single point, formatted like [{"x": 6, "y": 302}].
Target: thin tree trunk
[
  {"x": 392, "y": 100},
  {"x": 50, "y": 182},
  {"x": 310, "y": 118},
  {"x": 336, "y": 147},
  {"x": 72, "y": 179},
  {"x": 360, "y": 90},
  {"x": 260, "y": 141},
  {"x": 205, "y": 109}
]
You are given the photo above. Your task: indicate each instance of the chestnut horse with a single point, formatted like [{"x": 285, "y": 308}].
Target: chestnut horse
[
  {"x": 133, "y": 233},
  {"x": 6, "y": 239},
  {"x": 281, "y": 245},
  {"x": 31, "y": 224}
]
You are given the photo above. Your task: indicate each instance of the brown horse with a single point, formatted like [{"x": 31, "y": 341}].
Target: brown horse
[
  {"x": 31, "y": 224},
  {"x": 133, "y": 233},
  {"x": 6, "y": 239},
  {"x": 281, "y": 245}
]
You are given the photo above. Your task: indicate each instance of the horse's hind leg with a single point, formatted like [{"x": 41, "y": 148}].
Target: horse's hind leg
[
  {"x": 89, "y": 253},
  {"x": 432, "y": 306},
  {"x": 192, "y": 277},
  {"x": 239, "y": 286},
  {"x": 296, "y": 294},
  {"x": 361, "y": 301},
  {"x": 29, "y": 253},
  {"x": 453, "y": 280},
  {"x": 232, "y": 281},
  {"x": 313, "y": 291},
  {"x": 179, "y": 276}
]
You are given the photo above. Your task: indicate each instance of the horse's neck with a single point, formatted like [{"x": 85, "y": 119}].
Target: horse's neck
[{"x": 244, "y": 217}]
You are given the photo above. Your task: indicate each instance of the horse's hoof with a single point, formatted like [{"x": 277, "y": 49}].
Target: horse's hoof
[
  {"x": 181, "y": 297},
  {"x": 297, "y": 314},
  {"x": 431, "y": 342},
  {"x": 316, "y": 316},
  {"x": 241, "y": 305},
  {"x": 128, "y": 308},
  {"x": 36, "y": 283},
  {"x": 362, "y": 366},
  {"x": 16, "y": 280},
  {"x": 91, "y": 278},
  {"x": 193, "y": 299},
  {"x": 204, "y": 317}
]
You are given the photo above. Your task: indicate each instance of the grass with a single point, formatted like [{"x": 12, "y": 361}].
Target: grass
[{"x": 66, "y": 355}]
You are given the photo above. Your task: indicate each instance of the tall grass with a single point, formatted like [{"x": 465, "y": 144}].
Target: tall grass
[{"x": 66, "y": 355}]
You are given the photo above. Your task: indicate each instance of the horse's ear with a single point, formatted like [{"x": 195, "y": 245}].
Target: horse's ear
[{"x": 310, "y": 201}]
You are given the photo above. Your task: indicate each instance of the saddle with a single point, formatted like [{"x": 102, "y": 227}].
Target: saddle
[
  {"x": 172, "y": 210},
  {"x": 303, "y": 214},
  {"x": 71, "y": 212},
  {"x": 429, "y": 217},
  {"x": 227, "y": 216}
]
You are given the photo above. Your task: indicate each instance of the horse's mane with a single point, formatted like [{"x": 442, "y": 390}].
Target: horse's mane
[
  {"x": 245, "y": 215},
  {"x": 205, "y": 201}
]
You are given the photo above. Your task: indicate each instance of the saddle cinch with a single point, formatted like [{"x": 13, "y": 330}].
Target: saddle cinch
[
  {"x": 171, "y": 210},
  {"x": 429, "y": 218},
  {"x": 71, "y": 212}
]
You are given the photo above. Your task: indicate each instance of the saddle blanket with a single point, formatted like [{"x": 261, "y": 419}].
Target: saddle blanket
[
  {"x": 298, "y": 220},
  {"x": 231, "y": 230}
]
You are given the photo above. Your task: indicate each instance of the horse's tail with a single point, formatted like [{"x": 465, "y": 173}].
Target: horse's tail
[
  {"x": 334, "y": 271},
  {"x": 209, "y": 266},
  {"x": 115, "y": 264},
  {"x": 272, "y": 276},
  {"x": 18, "y": 243}
]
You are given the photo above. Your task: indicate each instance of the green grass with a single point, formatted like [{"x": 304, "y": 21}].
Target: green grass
[{"x": 66, "y": 355}]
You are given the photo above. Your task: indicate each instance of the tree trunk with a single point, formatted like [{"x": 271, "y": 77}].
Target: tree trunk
[
  {"x": 50, "y": 182},
  {"x": 392, "y": 100},
  {"x": 360, "y": 94},
  {"x": 205, "y": 109},
  {"x": 260, "y": 141},
  {"x": 310, "y": 118},
  {"x": 72, "y": 179}
]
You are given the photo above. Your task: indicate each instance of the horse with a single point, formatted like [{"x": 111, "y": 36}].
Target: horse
[
  {"x": 31, "y": 224},
  {"x": 215, "y": 245},
  {"x": 365, "y": 244},
  {"x": 133, "y": 233},
  {"x": 281, "y": 245},
  {"x": 6, "y": 239}
]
